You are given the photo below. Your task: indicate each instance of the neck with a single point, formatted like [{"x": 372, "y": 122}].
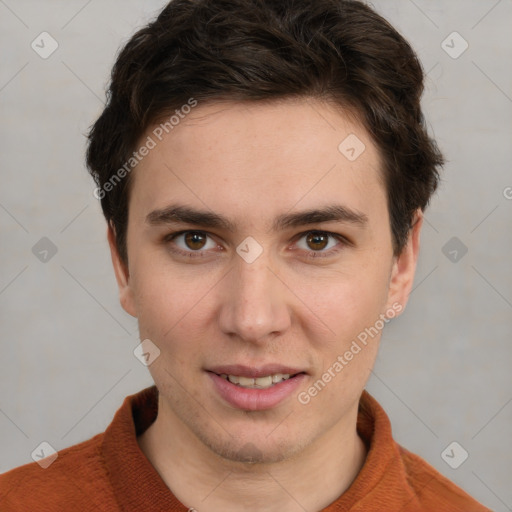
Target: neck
[{"x": 206, "y": 482}]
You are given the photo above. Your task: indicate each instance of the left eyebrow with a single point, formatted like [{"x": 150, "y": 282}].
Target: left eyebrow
[
  {"x": 330, "y": 213},
  {"x": 187, "y": 215}
]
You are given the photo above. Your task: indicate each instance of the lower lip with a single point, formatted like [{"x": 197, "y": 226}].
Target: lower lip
[{"x": 253, "y": 399}]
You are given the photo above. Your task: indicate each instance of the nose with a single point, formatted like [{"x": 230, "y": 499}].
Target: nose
[{"x": 254, "y": 305}]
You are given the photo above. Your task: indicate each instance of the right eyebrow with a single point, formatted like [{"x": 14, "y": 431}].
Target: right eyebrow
[{"x": 174, "y": 214}]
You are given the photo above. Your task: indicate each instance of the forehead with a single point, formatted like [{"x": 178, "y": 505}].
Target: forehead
[{"x": 260, "y": 157}]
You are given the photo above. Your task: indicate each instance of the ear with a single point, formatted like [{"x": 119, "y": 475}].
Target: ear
[
  {"x": 122, "y": 275},
  {"x": 404, "y": 267}
]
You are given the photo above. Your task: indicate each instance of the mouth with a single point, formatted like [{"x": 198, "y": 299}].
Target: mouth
[
  {"x": 255, "y": 388},
  {"x": 259, "y": 382}
]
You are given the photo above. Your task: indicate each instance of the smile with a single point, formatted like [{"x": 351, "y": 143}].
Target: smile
[
  {"x": 257, "y": 390},
  {"x": 256, "y": 383}
]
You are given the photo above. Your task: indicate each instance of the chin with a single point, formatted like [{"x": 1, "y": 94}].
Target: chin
[{"x": 253, "y": 452}]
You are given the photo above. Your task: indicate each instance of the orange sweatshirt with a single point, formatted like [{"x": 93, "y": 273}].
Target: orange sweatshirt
[{"x": 110, "y": 473}]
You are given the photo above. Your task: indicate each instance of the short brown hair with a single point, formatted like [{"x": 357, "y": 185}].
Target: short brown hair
[{"x": 254, "y": 50}]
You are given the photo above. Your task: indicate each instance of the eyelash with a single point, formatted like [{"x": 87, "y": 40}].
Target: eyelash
[{"x": 309, "y": 254}]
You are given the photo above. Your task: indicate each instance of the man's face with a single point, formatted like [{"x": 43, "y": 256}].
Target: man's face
[{"x": 259, "y": 297}]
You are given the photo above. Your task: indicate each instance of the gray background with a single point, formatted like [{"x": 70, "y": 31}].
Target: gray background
[{"x": 443, "y": 371}]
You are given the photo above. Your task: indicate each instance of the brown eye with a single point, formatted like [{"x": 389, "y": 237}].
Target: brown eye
[
  {"x": 195, "y": 240},
  {"x": 317, "y": 240},
  {"x": 192, "y": 244},
  {"x": 324, "y": 244}
]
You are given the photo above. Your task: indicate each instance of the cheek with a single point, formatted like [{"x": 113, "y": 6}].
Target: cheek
[
  {"x": 344, "y": 359},
  {"x": 348, "y": 301},
  {"x": 170, "y": 304},
  {"x": 158, "y": 301}
]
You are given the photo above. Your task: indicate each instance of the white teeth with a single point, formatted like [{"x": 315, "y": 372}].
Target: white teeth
[
  {"x": 258, "y": 383},
  {"x": 244, "y": 381},
  {"x": 263, "y": 382}
]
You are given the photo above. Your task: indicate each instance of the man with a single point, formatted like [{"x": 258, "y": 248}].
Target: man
[{"x": 263, "y": 167}]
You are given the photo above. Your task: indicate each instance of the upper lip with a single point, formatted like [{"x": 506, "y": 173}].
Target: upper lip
[{"x": 254, "y": 371}]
